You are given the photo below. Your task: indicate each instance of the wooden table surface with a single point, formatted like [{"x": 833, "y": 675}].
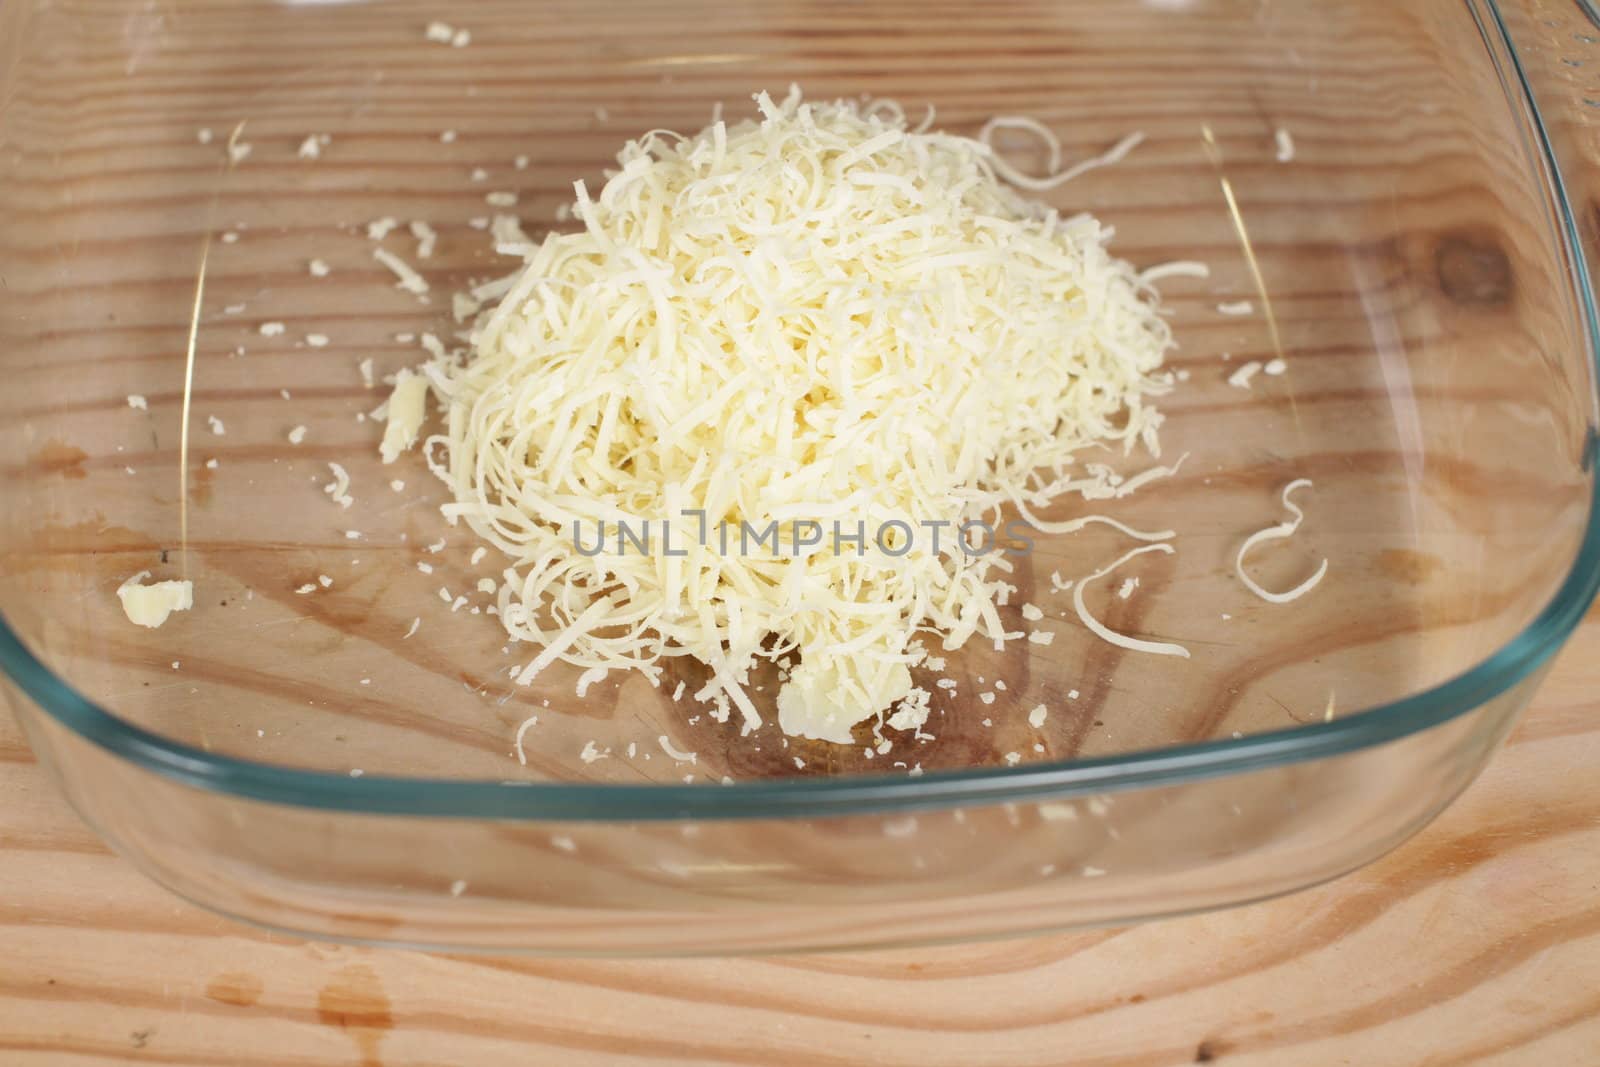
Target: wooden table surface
[{"x": 1477, "y": 942}]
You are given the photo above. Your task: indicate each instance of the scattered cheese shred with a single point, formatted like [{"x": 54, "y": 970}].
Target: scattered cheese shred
[
  {"x": 1237, "y": 307},
  {"x": 150, "y": 605},
  {"x": 676, "y": 753},
  {"x": 1056, "y": 175},
  {"x": 138, "y": 402},
  {"x": 1284, "y": 143},
  {"x": 1281, "y": 531},
  {"x": 426, "y": 238},
  {"x": 1240, "y": 379},
  {"x": 407, "y": 409},
  {"x": 527, "y": 724},
  {"x": 891, "y": 331},
  {"x": 339, "y": 488},
  {"x": 1162, "y": 648},
  {"x": 409, "y": 279}
]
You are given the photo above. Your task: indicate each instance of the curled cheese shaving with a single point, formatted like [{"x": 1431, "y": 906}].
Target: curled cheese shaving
[
  {"x": 1057, "y": 176},
  {"x": 1275, "y": 533},
  {"x": 1100, "y": 630}
]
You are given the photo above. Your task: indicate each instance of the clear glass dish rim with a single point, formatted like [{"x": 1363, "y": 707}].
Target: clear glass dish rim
[{"x": 864, "y": 794}]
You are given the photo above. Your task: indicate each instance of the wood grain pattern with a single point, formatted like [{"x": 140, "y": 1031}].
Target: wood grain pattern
[
  {"x": 1404, "y": 231},
  {"x": 1476, "y": 943}
]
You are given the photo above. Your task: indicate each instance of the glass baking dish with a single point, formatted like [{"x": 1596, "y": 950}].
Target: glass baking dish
[{"x": 302, "y": 762}]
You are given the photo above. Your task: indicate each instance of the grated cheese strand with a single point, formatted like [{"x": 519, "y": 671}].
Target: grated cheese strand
[
  {"x": 1100, "y": 630},
  {"x": 1279, "y": 532}
]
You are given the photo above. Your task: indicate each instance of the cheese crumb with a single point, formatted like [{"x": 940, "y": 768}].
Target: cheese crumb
[
  {"x": 150, "y": 605},
  {"x": 1032, "y": 613},
  {"x": 438, "y": 32},
  {"x": 297, "y": 435},
  {"x": 1284, "y": 143},
  {"x": 317, "y": 340},
  {"x": 1037, "y": 716},
  {"x": 1237, "y": 307},
  {"x": 310, "y": 148},
  {"x": 1275, "y": 367},
  {"x": 426, "y": 238},
  {"x": 319, "y": 268},
  {"x": 1240, "y": 379},
  {"x": 137, "y": 401},
  {"x": 365, "y": 367},
  {"x": 216, "y": 425},
  {"x": 272, "y": 329},
  {"x": 378, "y": 229}
]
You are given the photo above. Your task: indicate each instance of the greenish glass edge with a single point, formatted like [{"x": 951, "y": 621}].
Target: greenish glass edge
[{"x": 384, "y": 795}]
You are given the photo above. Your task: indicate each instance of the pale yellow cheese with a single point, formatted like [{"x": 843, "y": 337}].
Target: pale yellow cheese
[
  {"x": 822, "y": 313},
  {"x": 150, "y": 605}
]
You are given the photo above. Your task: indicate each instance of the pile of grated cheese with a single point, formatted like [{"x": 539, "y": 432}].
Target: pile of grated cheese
[{"x": 817, "y": 314}]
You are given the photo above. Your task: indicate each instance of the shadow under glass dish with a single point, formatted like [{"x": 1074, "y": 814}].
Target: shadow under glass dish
[{"x": 298, "y": 760}]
